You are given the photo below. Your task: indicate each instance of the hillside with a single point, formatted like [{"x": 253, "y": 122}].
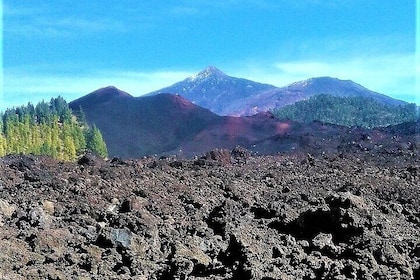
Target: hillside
[
  {"x": 100, "y": 96},
  {"x": 348, "y": 111}
]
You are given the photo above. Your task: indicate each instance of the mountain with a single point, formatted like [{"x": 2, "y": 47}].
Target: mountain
[
  {"x": 226, "y": 95},
  {"x": 134, "y": 127},
  {"x": 100, "y": 96},
  {"x": 302, "y": 90},
  {"x": 216, "y": 91},
  {"x": 139, "y": 126}
]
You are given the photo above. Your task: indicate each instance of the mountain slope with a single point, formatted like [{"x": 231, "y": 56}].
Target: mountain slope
[
  {"x": 228, "y": 132},
  {"x": 226, "y": 95}
]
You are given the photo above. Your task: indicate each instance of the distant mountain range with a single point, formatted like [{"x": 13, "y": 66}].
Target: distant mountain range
[
  {"x": 162, "y": 123},
  {"x": 225, "y": 95}
]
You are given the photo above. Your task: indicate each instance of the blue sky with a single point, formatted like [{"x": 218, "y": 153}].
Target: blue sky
[{"x": 72, "y": 47}]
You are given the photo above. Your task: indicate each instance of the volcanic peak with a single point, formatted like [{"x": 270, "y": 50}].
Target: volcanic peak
[
  {"x": 98, "y": 96},
  {"x": 111, "y": 90},
  {"x": 206, "y": 73}
]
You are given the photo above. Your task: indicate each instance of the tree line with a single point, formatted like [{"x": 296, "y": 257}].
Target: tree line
[
  {"x": 348, "y": 111},
  {"x": 50, "y": 129}
]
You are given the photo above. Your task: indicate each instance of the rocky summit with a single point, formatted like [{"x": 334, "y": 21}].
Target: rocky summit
[{"x": 225, "y": 215}]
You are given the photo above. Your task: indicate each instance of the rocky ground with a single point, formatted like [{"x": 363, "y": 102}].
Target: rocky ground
[{"x": 227, "y": 215}]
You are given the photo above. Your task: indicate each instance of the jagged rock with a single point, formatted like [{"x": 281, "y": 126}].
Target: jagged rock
[
  {"x": 323, "y": 241},
  {"x": 6, "y": 209},
  {"x": 220, "y": 155},
  {"x": 21, "y": 163},
  {"x": 389, "y": 255},
  {"x": 89, "y": 159},
  {"x": 121, "y": 237},
  {"x": 240, "y": 155},
  {"x": 37, "y": 217},
  {"x": 193, "y": 253},
  {"x": 48, "y": 207}
]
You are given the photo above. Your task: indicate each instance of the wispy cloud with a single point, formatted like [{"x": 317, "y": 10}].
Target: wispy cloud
[
  {"x": 268, "y": 4},
  {"x": 203, "y": 7},
  {"x": 62, "y": 27},
  {"x": 54, "y": 21},
  {"x": 51, "y": 21}
]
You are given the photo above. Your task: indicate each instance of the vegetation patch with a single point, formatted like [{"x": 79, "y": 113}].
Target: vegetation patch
[{"x": 50, "y": 129}]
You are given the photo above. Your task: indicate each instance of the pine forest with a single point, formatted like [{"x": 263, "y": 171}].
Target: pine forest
[
  {"x": 348, "y": 111},
  {"x": 50, "y": 129}
]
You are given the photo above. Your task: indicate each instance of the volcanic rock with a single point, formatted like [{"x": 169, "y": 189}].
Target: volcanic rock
[{"x": 335, "y": 216}]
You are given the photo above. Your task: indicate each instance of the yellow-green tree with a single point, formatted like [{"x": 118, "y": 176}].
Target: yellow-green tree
[
  {"x": 3, "y": 147},
  {"x": 69, "y": 150},
  {"x": 96, "y": 143}
]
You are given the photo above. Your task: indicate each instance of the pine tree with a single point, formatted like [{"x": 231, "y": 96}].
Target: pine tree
[
  {"x": 69, "y": 151},
  {"x": 95, "y": 142},
  {"x": 2, "y": 145}
]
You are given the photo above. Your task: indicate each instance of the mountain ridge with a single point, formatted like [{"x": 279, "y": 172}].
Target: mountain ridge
[
  {"x": 209, "y": 71},
  {"x": 226, "y": 95}
]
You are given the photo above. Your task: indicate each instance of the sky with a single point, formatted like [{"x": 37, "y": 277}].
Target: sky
[{"x": 73, "y": 47}]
